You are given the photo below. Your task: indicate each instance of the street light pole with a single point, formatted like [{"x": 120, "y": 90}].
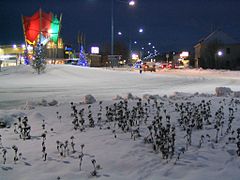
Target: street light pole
[
  {"x": 130, "y": 3},
  {"x": 112, "y": 28}
]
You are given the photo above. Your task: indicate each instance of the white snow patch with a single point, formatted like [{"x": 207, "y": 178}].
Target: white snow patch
[{"x": 120, "y": 157}]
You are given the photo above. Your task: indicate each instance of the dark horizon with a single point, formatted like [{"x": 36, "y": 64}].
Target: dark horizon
[{"x": 170, "y": 26}]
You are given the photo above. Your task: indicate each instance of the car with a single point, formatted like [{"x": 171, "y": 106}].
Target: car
[
  {"x": 164, "y": 65},
  {"x": 179, "y": 66},
  {"x": 149, "y": 66},
  {"x": 170, "y": 66}
]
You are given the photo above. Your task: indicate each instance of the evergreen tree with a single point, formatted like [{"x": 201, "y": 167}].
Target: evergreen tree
[{"x": 39, "y": 63}]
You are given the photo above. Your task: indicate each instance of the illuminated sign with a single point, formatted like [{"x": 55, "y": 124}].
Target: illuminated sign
[
  {"x": 68, "y": 48},
  {"x": 135, "y": 56},
  {"x": 184, "y": 54},
  {"x": 95, "y": 50}
]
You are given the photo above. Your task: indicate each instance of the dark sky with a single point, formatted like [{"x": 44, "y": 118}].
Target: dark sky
[{"x": 168, "y": 24}]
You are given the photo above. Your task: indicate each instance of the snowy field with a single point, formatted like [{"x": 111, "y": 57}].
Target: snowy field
[
  {"x": 68, "y": 83},
  {"x": 171, "y": 126}
]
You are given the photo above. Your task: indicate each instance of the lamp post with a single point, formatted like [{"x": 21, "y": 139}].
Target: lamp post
[{"x": 130, "y": 3}]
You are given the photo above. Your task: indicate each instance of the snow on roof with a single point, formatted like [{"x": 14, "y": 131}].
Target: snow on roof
[{"x": 219, "y": 35}]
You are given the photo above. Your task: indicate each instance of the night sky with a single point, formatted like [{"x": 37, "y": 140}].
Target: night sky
[{"x": 168, "y": 24}]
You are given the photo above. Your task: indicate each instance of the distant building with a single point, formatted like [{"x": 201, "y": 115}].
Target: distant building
[
  {"x": 55, "y": 51},
  {"x": 13, "y": 55},
  {"x": 217, "y": 51},
  {"x": 181, "y": 59},
  {"x": 95, "y": 60}
]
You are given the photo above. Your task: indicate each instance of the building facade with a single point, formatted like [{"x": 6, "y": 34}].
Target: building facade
[
  {"x": 12, "y": 55},
  {"x": 217, "y": 51}
]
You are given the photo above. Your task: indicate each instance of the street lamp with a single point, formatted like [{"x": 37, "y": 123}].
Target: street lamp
[
  {"x": 220, "y": 53},
  {"x": 130, "y": 3},
  {"x": 140, "y": 30}
]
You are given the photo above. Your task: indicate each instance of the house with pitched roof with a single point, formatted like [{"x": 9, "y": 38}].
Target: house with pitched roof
[{"x": 217, "y": 51}]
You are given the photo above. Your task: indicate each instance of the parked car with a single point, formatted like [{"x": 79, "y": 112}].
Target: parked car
[
  {"x": 149, "y": 66},
  {"x": 166, "y": 66},
  {"x": 179, "y": 65}
]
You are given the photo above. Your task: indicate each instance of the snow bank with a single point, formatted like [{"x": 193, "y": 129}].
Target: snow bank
[
  {"x": 7, "y": 119},
  {"x": 37, "y": 116},
  {"x": 223, "y": 91},
  {"x": 149, "y": 96},
  {"x": 53, "y": 103},
  {"x": 236, "y": 94},
  {"x": 131, "y": 97},
  {"x": 89, "y": 99},
  {"x": 118, "y": 98},
  {"x": 32, "y": 104}
]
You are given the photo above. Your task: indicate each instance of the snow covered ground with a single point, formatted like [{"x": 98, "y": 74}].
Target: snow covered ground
[
  {"x": 115, "y": 150},
  {"x": 65, "y": 83}
]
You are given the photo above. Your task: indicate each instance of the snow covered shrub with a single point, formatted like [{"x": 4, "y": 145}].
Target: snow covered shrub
[
  {"x": 80, "y": 160},
  {"x": 72, "y": 144},
  {"x": 15, "y": 148},
  {"x": 94, "y": 172},
  {"x": 201, "y": 141},
  {"x": 4, "y": 152},
  {"x": 1, "y": 146}
]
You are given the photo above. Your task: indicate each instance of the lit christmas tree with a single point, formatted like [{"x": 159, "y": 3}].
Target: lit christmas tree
[
  {"x": 39, "y": 63},
  {"x": 82, "y": 57}
]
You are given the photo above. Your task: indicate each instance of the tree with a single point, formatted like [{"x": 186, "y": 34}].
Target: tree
[{"x": 39, "y": 62}]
